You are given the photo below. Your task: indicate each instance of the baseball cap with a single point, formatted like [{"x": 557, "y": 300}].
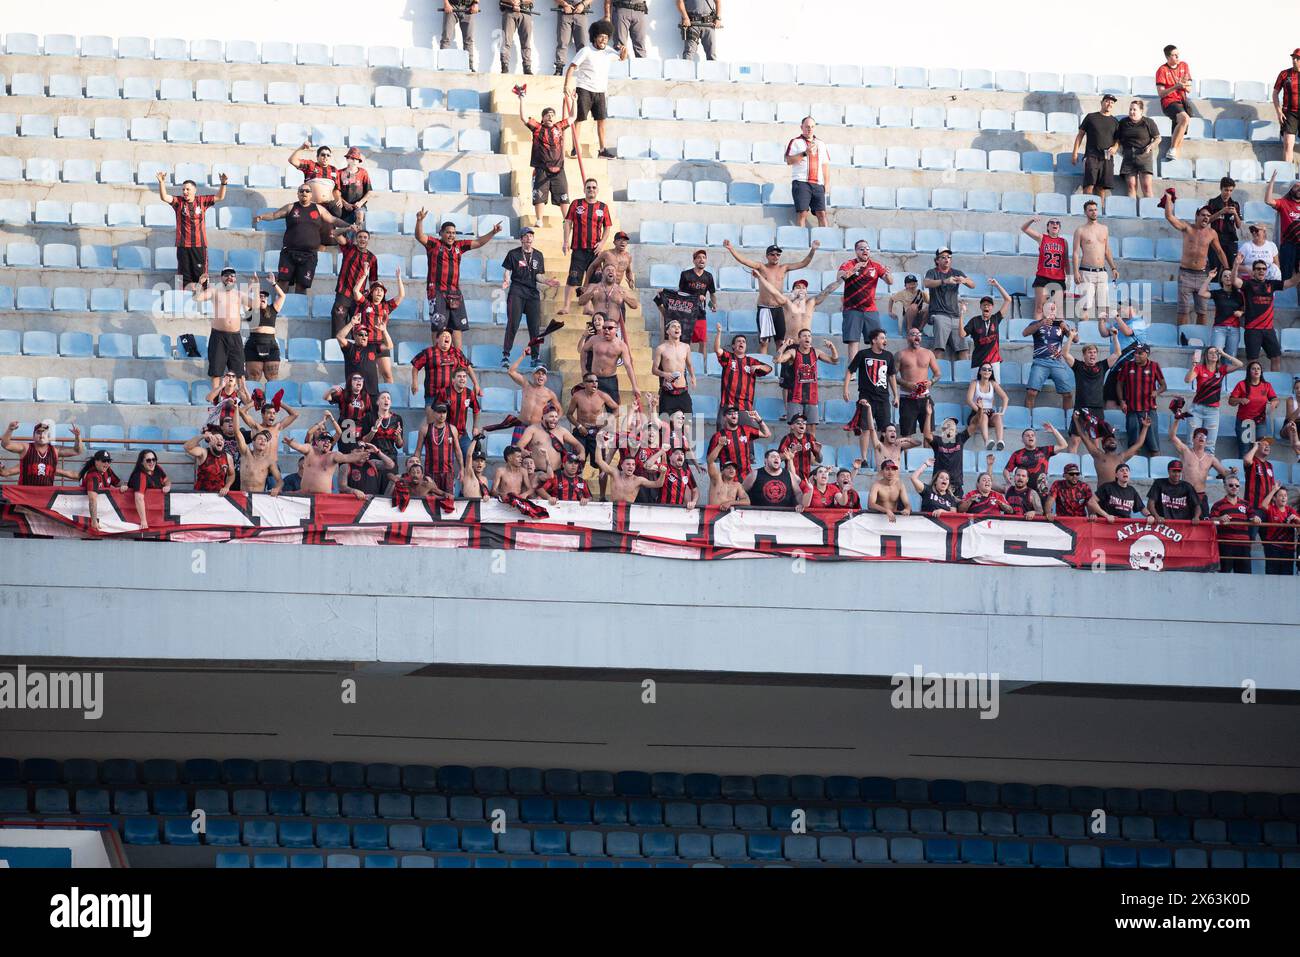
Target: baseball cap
[
  {"x": 479, "y": 454},
  {"x": 1114, "y": 99},
  {"x": 799, "y": 282},
  {"x": 439, "y": 407},
  {"x": 540, "y": 368},
  {"x": 888, "y": 464},
  {"x": 1072, "y": 470},
  {"x": 526, "y": 231},
  {"x": 102, "y": 456},
  {"x": 1175, "y": 466},
  {"x": 1142, "y": 347},
  {"x": 227, "y": 271},
  {"x": 940, "y": 252},
  {"x": 726, "y": 409},
  {"x": 621, "y": 235},
  {"x": 573, "y": 457},
  {"x": 909, "y": 278},
  {"x": 1296, "y": 52},
  {"x": 774, "y": 249}
]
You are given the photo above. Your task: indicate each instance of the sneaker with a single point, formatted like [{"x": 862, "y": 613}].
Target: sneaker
[
  {"x": 608, "y": 154},
  {"x": 1171, "y": 155},
  {"x": 573, "y": 154},
  {"x": 505, "y": 362},
  {"x": 528, "y": 71},
  {"x": 1001, "y": 446},
  {"x": 988, "y": 447}
]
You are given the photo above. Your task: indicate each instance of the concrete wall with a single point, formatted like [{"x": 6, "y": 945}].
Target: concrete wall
[
  {"x": 399, "y": 609},
  {"x": 1000, "y": 34}
]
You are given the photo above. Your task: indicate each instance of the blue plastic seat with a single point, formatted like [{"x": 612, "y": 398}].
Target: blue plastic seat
[
  {"x": 333, "y": 834},
  {"x": 1046, "y": 854},
  {"x": 299, "y": 834},
  {"x": 140, "y": 830},
  {"x": 284, "y": 802},
  {"x": 260, "y": 834},
  {"x": 117, "y": 771}
]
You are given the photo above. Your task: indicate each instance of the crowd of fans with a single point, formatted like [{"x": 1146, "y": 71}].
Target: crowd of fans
[{"x": 642, "y": 447}]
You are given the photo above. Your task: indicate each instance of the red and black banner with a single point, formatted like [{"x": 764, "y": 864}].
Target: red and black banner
[{"x": 656, "y": 530}]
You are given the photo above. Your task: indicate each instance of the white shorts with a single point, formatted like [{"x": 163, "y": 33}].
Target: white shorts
[{"x": 1095, "y": 290}]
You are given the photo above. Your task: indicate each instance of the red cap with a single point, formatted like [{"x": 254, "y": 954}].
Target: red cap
[{"x": 1296, "y": 52}]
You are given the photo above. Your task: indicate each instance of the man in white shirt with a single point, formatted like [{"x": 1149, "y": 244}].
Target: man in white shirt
[
  {"x": 587, "y": 79},
  {"x": 812, "y": 166}
]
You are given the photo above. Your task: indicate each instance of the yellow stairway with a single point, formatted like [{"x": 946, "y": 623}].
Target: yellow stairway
[{"x": 516, "y": 143}]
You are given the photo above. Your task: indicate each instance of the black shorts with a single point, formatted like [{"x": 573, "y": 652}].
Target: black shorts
[
  {"x": 778, "y": 322},
  {"x": 1137, "y": 163},
  {"x": 1291, "y": 123},
  {"x": 1173, "y": 109},
  {"x": 341, "y": 311},
  {"x": 588, "y": 440},
  {"x": 882, "y": 412},
  {"x": 1044, "y": 282},
  {"x": 591, "y": 104},
  {"x": 260, "y": 347},
  {"x": 297, "y": 268},
  {"x": 554, "y": 185},
  {"x": 1098, "y": 171},
  {"x": 225, "y": 354},
  {"x": 911, "y": 415},
  {"x": 1261, "y": 338},
  {"x": 579, "y": 262},
  {"x": 608, "y": 384},
  {"x": 808, "y": 197},
  {"x": 670, "y": 402},
  {"x": 447, "y": 311},
  {"x": 191, "y": 262}
]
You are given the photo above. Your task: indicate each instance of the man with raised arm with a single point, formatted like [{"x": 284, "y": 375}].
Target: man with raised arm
[
  {"x": 191, "y": 227},
  {"x": 321, "y": 460},
  {"x": 38, "y": 460},
  {"x": 214, "y": 470},
  {"x": 1199, "y": 241},
  {"x": 771, "y": 316},
  {"x": 606, "y": 351},
  {"x": 446, "y": 302}
]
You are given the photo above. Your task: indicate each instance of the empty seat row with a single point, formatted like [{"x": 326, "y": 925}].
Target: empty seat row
[
  {"x": 234, "y": 51},
  {"x": 151, "y": 129},
  {"x": 100, "y": 86}
]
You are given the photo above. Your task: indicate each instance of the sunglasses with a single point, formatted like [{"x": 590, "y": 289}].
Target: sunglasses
[
  {"x": 150, "y": 461},
  {"x": 1233, "y": 485}
]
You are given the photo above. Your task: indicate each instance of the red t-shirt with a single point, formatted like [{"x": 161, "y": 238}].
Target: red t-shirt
[
  {"x": 1288, "y": 211},
  {"x": 312, "y": 170},
  {"x": 1171, "y": 78},
  {"x": 1052, "y": 255},
  {"x": 1257, "y": 399},
  {"x": 191, "y": 224},
  {"x": 98, "y": 481},
  {"x": 985, "y": 505},
  {"x": 860, "y": 286},
  {"x": 1288, "y": 81}
]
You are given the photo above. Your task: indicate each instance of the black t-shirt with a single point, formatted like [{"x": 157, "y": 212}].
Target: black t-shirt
[
  {"x": 1259, "y": 302},
  {"x": 386, "y": 433},
  {"x": 1228, "y": 225},
  {"x": 984, "y": 339},
  {"x": 1172, "y": 499},
  {"x": 367, "y": 477},
  {"x": 776, "y": 491},
  {"x": 1226, "y": 302},
  {"x": 1136, "y": 135},
  {"x": 681, "y": 306},
  {"x": 933, "y": 501},
  {"x": 523, "y": 271},
  {"x": 701, "y": 285},
  {"x": 1089, "y": 384},
  {"x": 948, "y": 458},
  {"x": 1121, "y": 502},
  {"x": 362, "y": 360},
  {"x": 1100, "y": 131},
  {"x": 873, "y": 372}
]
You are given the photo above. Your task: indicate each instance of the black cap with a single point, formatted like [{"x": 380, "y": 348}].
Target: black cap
[
  {"x": 479, "y": 455},
  {"x": 1142, "y": 347},
  {"x": 774, "y": 248},
  {"x": 1110, "y": 96},
  {"x": 573, "y": 457},
  {"x": 102, "y": 456},
  {"x": 440, "y": 407},
  {"x": 909, "y": 278},
  {"x": 728, "y": 409},
  {"x": 1072, "y": 469},
  {"x": 227, "y": 271}
]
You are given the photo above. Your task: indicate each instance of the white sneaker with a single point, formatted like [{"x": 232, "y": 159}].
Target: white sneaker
[{"x": 1171, "y": 155}]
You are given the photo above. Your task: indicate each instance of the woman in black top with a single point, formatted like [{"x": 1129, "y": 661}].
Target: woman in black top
[
  {"x": 148, "y": 474},
  {"x": 1138, "y": 138},
  {"x": 937, "y": 497},
  {"x": 386, "y": 432}
]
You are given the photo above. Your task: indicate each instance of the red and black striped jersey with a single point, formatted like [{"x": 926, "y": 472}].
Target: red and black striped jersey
[
  {"x": 860, "y": 286},
  {"x": 191, "y": 224},
  {"x": 804, "y": 371},
  {"x": 313, "y": 170},
  {"x": 438, "y": 451},
  {"x": 36, "y": 467},
  {"x": 1137, "y": 385},
  {"x": 356, "y": 407},
  {"x": 439, "y": 366},
  {"x": 985, "y": 504},
  {"x": 141, "y": 481},
  {"x": 1071, "y": 500},
  {"x": 210, "y": 475},
  {"x": 96, "y": 481},
  {"x": 589, "y": 222},
  {"x": 1275, "y": 515},
  {"x": 1238, "y": 513},
  {"x": 548, "y": 144},
  {"x": 1259, "y": 302},
  {"x": 1288, "y": 212},
  {"x": 1053, "y": 253},
  {"x": 738, "y": 379},
  {"x": 352, "y": 262},
  {"x": 1209, "y": 384},
  {"x": 373, "y": 317},
  {"x": 444, "y": 264},
  {"x": 677, "y": 483},
  {"x": 567, "y": 489},
  {"x": 1259, "y": 480},
  {"x": 1288, "y": 81},
  {"x": 1033, "y": 461},
  {"x": 807, "y": 452},
  {"x": 854, "y": 499},
  {"x": 459, "y": 403},
  {"x": 737, "y": 447}
]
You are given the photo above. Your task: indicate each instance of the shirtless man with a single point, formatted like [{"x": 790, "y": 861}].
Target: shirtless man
[
  {"x": 1197, "y": 461},
  {"x": 619, "y": 258},
  {"x": 1094, "y": 268},
  {"x": 886, "y": 444},
  {"x": 771, "y": 315},
  {"x": 321, "y": 459},
  {"x": 421, "y": 485},
  {"x": 269, "y": 422},
  {"x": 624, "y": 483},
  {"x": 535, "y": 395},
  {"x": 1199, "y": 240},
  {"x": 1105, "y": 454},
  {"x": 473, "y": 477},
  {"x": 225, "y": 345},
  {"x": 587, "y": 413},
  {"x": 258, "y": 461},
  {"x": 672, "y": 366},
  {"x": 798, "y": 306},
  {"x": 547, "y": 439},
  {"x": 917, "y": 368},
  {"x": 725, "y": 491},
  {"x": 608, "y": 297},
  {"x": 511, "y": 479},
  {"x": 887, "y": 493},
  {"x": 606, "y": 350}
]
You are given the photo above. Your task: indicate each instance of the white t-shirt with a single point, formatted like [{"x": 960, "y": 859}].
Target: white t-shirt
[
  {"x": 592, "y": 73},
  {"x": 806, "y": 171},
  {"x": 1267, "y": 252}
]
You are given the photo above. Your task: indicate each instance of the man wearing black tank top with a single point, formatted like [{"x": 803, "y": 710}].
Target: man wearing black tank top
[
  {"x": 948, "y": 446},
  {"x": 773, "y": 485},
  {"x": 304, "y": 221}
]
